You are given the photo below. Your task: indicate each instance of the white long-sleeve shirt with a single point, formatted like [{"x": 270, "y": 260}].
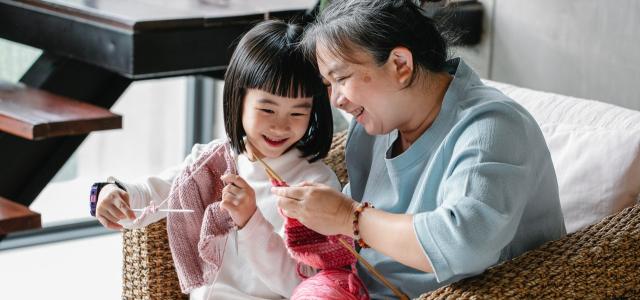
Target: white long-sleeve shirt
[{"x": 263, "y": 267}]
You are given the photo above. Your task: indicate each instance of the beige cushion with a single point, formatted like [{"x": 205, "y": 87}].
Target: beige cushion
[{"x": 595, "y": 148}]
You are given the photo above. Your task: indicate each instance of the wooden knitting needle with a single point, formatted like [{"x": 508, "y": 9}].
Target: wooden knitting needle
[
  {"x": 255, "y": 153},
  {"x": 375, "y": 272}
]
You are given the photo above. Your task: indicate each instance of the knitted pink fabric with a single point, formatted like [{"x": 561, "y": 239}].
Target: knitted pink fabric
[
  {"x": 197, "y": 240},
  {"x": 315, "y": 249}
]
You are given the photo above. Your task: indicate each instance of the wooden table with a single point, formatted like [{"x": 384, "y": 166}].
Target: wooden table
[{"x": 93, "y": 49}]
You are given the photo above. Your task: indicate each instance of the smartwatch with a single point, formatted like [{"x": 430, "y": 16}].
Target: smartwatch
[{"x": 95, "y": 191}]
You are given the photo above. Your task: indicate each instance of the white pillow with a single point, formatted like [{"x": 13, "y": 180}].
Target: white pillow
[{"x": 595, "y": 148}]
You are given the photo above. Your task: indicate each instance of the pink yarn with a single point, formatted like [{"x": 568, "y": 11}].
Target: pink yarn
[
  {"x": 332, "y": 284},
  {"x": 329, "y": 256}
]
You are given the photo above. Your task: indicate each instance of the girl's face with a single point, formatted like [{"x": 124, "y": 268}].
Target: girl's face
[
  {"x": 273, "y": 123},
  {"x": 365, "y": 90}
]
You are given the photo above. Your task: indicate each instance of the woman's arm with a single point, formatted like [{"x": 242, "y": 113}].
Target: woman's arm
[{"x": 330, "y": 212}]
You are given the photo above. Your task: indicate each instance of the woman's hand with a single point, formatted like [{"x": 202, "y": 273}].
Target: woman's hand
[
  {"x": 318, "y": 207},
  {"x": 113, "y": 206},
  {"x": 238, "y": 198}
]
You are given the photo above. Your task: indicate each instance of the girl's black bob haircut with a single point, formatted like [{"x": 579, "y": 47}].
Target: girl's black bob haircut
[{"x": 268, "y": 58}]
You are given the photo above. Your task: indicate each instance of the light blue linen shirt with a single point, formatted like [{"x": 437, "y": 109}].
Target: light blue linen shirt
[{"x": 479, "y": 182}]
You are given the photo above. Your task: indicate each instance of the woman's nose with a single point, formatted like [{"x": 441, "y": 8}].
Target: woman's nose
[{"x": 338, "y": 100}]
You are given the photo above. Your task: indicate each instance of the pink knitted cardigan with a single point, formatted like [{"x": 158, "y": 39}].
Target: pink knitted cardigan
[{"x": 197, "y": 240}]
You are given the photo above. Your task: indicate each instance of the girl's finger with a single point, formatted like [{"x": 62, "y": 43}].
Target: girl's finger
[
  {"x": 125, "y": 198},
  {"x": 115, "y": 212},
  {"x": 233, "y": 189},
  {"x": 124, "y": 208},
  {"x": 227, "y": 191},
  {"x": 235, "y": 180},
  {"x": 108, "y": 215},
  {"x": 109, "y": 224}
]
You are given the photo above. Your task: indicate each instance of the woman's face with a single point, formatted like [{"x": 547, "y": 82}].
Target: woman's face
[
  {"x": 273, "y": 123},
  {"x": 364, "y": 89}
]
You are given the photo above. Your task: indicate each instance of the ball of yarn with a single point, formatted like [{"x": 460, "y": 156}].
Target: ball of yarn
[{"x": 331, "y": 284}]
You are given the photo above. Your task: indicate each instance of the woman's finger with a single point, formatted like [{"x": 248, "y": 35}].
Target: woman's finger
[
  {"x": 295, "y": 193},
  {"x": 289, "y": 207}
]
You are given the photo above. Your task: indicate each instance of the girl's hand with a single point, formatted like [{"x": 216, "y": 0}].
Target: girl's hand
[
  {"x": 113, "y": 206},
  {"x": 238, "y": 198},
  {"x": 318, "y": 207}
]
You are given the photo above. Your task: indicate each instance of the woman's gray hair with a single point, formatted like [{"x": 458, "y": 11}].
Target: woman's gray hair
[{"x": 377, "y": 26}]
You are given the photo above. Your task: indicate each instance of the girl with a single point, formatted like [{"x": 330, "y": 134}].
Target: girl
[{"x": 275, "y": 107}]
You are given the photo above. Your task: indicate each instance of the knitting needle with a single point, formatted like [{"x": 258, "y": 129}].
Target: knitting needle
[
  {"x": 270, "y": 172},
  {"x": 166, "y": 210},
  {"x": 375, "y": 272}
]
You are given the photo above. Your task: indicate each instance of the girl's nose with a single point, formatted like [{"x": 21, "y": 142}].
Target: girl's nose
[{"x": 281, "y": 124}]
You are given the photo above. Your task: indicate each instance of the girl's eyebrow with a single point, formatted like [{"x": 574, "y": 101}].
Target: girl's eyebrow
[{"x": 269, "y": 101}]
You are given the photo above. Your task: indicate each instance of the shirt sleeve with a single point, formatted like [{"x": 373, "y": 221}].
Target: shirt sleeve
[
  {"x": 482, "y": 198},
  {"x": 155, "y": 188},
  {"x": 265, "y": 249}
]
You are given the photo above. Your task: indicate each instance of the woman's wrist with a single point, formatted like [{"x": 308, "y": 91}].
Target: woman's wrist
[{"x": 347, "y": 226}]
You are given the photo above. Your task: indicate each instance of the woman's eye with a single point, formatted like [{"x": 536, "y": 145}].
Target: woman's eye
[{"x": 342, "y": 79}]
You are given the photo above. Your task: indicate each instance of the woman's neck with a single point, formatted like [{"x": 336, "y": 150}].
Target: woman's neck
[{"x": 427, "y": 97}]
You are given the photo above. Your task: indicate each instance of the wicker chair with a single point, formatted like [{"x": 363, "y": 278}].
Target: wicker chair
[{"x": 600, "y": 261}]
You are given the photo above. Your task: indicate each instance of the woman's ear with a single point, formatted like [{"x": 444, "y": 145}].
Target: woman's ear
[{"x": 401, "y": 63}]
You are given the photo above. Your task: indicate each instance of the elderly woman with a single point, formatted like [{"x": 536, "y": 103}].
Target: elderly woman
[{"x": 447, "y": 176}]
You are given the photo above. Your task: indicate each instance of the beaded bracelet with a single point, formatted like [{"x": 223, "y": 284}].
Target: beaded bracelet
[{"x": 356, "y": 226}]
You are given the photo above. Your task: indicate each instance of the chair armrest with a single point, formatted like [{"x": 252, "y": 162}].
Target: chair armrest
[
  {"x": 148, "y": 271},
  {"x": 597, "y": 262}
]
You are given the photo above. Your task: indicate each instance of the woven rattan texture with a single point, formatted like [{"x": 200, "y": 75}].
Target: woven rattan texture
[
  {"x": 335, "y": 158},
  {"x": 601, "y": 261},
  {"x": 148, "y": 270}
]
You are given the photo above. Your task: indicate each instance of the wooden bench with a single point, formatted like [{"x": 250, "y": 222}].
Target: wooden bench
[
  {"x": 16, "y": 217},
  {"x": 35, "y": 114}
]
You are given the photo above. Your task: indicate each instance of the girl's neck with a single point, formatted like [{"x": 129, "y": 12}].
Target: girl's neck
[{"x": 427, "y": 98}]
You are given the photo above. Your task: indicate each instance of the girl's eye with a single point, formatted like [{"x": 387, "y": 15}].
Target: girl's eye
[
  {"x": 298, "y": 114},
  {"x": 266, "y": 110}
]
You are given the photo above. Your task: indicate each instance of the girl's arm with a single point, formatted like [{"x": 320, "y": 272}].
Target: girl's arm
[{"x": 156, "y": 188}]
